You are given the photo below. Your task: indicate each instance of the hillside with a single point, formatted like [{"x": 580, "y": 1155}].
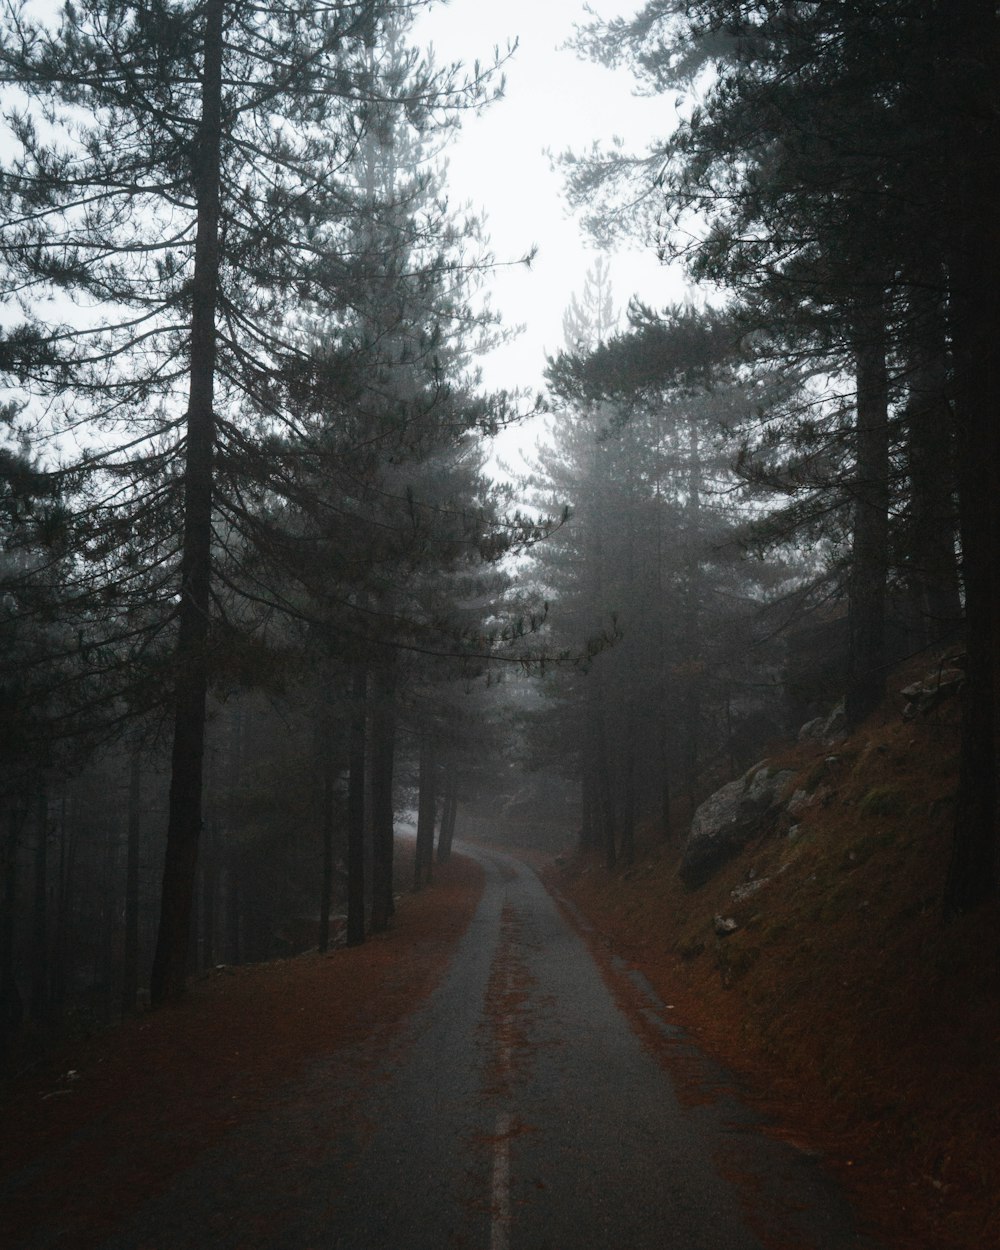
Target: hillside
[{"x": 873, "y": 1026}]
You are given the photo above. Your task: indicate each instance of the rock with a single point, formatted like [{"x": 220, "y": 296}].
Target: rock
[
  {"x": 812, "y": 730},
  {"x": 826, "y": 729},
  {"x": 744, "y": 891},
  {"x": 728, "y": 820},
  {"x": 939, "y": 684},
  {"x": 724, "y": 925}
]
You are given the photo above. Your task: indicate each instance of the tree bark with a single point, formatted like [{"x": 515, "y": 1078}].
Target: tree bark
[
  {"x": 970, "y": 36},
  {"x": 448, "y": 815},
  {"x": 383, "y": 814},
  {"x": 62, "y": 944},
  {"x": 356, "y": 807},
  {"x": 605, "y": 783},
  {"x": 130, "y": 957},
  {"x": 628, "y": 792},
  {"x": 870, "y": 545},
  {"x": 11, "y": 1006},
  {"x": 691, "y": 682},
  {"x": 323, "y": 765},
  {"x": 191, "y": 654},
  {"x": 40, "y": 927},
  {"x": 210, "y": 888},
  {"x": 426, "y": 813},
  {"x": 931, "y": 456}
]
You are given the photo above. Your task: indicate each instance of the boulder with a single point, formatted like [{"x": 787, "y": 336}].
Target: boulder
[
  {"x": 827, "y": 729},
  {"x": 922, "y": 696},
  {"x": 728, "y": 820}
]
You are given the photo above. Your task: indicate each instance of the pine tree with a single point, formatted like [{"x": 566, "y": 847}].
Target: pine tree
[{"x": 196, "y": 210}]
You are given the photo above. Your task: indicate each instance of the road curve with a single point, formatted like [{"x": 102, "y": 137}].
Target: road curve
[{"x": 517, "y": 1110}]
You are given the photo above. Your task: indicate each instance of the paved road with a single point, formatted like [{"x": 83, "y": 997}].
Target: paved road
[{"x": 518, "y": 1111}]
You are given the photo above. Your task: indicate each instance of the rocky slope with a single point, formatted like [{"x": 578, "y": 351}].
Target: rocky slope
[{"x": 799, "y": 934}]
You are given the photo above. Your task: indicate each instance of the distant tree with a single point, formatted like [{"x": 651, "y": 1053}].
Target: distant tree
[{"x": 649, "y": 563}]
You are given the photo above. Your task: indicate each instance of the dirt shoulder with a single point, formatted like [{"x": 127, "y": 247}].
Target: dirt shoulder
[{"x": 106, "y": 1124}]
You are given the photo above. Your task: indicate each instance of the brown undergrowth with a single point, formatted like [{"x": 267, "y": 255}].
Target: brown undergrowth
[
  {"x": 867, "y": 1027},
  {"x": 107, "y": 1123}
]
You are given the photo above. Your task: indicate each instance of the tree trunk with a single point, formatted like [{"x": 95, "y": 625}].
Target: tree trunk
[
  {"x": 130, "y": 957},
  {"x": 11, "y": 1006},
  {"x": 931, "y": 456},
  {"x": 323, "y": 765},
  {"x": 628, "y": 793},
  {"x": 970, "y": 36},
  {"x": 62, "y": 943},
  {"x": 605, "y": 783},
  {"x": 40, "y": 926},
  {"x": 426, "y": 813},
  {"x": 356, "y": 808},
  {"x": 691, "y": 682},
  {"x": 383, "y": 814},
  {"x": 448, "y": 815},
  {"x": 870, "y": 547},
  {"x": 230, "y": 858},
  {"x": 191, "y": 658},
  {"x": 234, "y": 904},
  {"x": 209, "y": 890},
  {"x": 662, "y": 683}
]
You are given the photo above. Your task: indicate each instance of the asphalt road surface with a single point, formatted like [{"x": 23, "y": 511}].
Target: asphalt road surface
[{"x": 518, "y": 1110}]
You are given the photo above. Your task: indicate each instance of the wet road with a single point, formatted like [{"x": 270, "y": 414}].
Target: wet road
[{"x": 518, "y": 1110}]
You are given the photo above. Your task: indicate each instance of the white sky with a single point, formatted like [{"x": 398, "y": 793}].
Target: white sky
[{"x": 553, "y": 101}]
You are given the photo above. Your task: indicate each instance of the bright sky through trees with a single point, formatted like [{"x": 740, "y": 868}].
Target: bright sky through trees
[{"x": 500, "y": 162}]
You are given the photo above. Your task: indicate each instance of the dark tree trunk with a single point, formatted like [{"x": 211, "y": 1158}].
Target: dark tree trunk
[
  {"x": 130, "y": 959},
  {"x": 61, "y": 942},
  {"x": 209, "y": 890},
  {"x": 191, "y": 657},
  {"x": 40, "y": 926},
  {"x": 356, "y": 808},
  {"x": 323, "y": 764},
  {"x": 605, "y": 784},
  {"x": 691, "y": 682},
  {"x": 11, "y": 1005},
  {"x": 662, "y": 683},
  {"x": 230, "y": 858},
  {"x": 234, "y": 905},
  {"x": 628, "y": 798},
  {"x": 426, "y": 813},
  {"x": 448, "y": 815},
  {"x": 870, "y": 545},
  {"x": 326, "y": 834},
  {"x": 383, "y": 815},
  {"x": 970, "y": 36},
  {"x": 931, "y": 455}
]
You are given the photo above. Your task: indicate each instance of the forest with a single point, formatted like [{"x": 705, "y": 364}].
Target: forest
[{"x": 265, "y": 595}]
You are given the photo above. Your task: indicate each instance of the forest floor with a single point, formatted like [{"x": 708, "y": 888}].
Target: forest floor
[
  {"x": 104, "y": 1124},
  {"x": 867, "y": 1028}
]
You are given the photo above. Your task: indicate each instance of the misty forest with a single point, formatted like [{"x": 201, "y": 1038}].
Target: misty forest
[{"x": 714, "y": 650}]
